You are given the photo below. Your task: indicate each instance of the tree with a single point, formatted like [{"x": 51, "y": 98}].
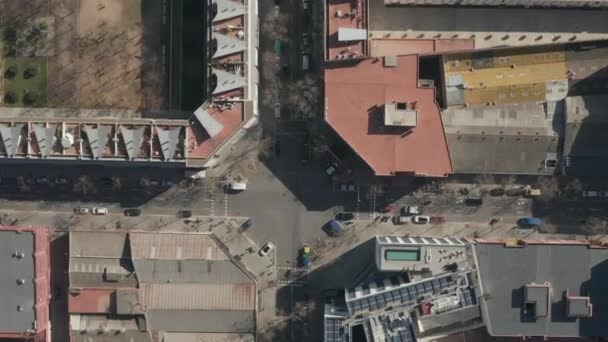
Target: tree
[
  {"x": 11, "y": 72},
  {"x": 30, "y": 97},
  {"x": 305, "y": 97},
  {"x": 10, "y": 97},
  {"x": 85, "y": 185},
  {"x": 30, "y": 72}
]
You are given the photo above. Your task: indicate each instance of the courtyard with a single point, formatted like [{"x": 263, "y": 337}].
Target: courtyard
[{"x": 92, "y": 54}]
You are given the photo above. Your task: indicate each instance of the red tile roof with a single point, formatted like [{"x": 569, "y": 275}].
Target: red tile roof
[
  {"x": 200, "y": 144},
  {"x": 355, "y": 99},
  {"x": 397, "y": 47},
  {"x": 356, "y": 19},
  {"x": 90, "y": 301}
]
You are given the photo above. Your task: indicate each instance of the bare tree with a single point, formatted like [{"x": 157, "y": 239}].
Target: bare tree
[
  {"x": 595, "y": 226},
  {"x": 85, "y": 185},
  {"x": 485, "y": 179},
  {"x": 574, "y": 187},
  {"x": 547, "y": 228},
  {"x": 116, "y": 183},
  {"x": 265, "y": 148},
  {"x": 305, "y": 97},
  {"x": 271, "y": 64},
  {"x": 276, "y": 26},
  {"x": 22, "y": 185},
  {"x": 510, "y": 180},
  {"x": 549, "y": 186}
]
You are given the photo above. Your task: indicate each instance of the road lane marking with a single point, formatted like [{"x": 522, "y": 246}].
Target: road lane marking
[{"x": 225, "y": 204}]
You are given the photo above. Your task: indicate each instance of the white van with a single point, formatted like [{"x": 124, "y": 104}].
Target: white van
[
  {"x": 305, "y": 61},
  {"x": 237, "y": 186}
]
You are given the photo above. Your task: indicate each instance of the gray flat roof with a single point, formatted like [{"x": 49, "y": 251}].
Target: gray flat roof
[
  {"x": 512, "y": 139},
  {"x": 578, "y": 269},
  {"x": 17, "y": 312}
]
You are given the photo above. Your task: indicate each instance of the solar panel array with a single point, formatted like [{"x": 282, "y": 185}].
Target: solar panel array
[
  {"x": 334, "y": 331},
  {"x": 402, "y": 295},
  {"x": 398, "y": 329}
]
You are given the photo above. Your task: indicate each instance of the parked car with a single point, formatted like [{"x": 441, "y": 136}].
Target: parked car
[
  {"x": 305, "y": 41},
  {"x": 305, "y": 61},
  {"x": 306, "y": 4},
  {"x": 246, "y": 225},
  {"x": 132, "y": 212},
  {"x": 99, "y": 211},
  {"x": 386, "y": 208},
  {"x": 497, "y": 192},
  {"x": 62, "y": 180},
  {"x": 269, "y": 246},
  {"x": 420, "y": 219},
  {"x": 348, "y": 187},
  {"x": 473, "y": 202},
  {"x": 529, "y": 222},
  {"x": 399, "y": 219},
  {"x": 42, "y": 180},
  {"x": 344, "y": 216},
  {"x": 410, "y": 210},
  {"x": 236, "y": 186},
  {"x": 591, "y": 194},
  {"x": 331, "y": 168},
  {"x": 333, "y": 228},
  {"x": 184, "y": 213},
  {"x": 81, "y": 211}
]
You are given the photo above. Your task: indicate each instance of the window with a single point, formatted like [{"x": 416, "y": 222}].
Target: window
[{"x": 402, "y": 255}]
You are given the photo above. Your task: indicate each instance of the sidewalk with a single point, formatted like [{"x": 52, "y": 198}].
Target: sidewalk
[{"x": 361, "y": 231}]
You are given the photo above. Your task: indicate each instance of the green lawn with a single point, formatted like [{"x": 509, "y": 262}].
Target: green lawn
[{"x": 20, "y": 85}]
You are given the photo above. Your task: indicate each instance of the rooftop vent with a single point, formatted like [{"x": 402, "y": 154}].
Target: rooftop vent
[
  {"x": 400, "y": 114},
  {"x": 537, "y": 299},
  {"x": 390, "y": 61},
  {"x": 20, "y": 281},
  {"x": 578, "y": 306}
]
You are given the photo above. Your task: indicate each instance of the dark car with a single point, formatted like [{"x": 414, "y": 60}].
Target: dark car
[
  {"x": 184, "y": 213},
  {"x": 344, "y": 216},
  {"x": 529, "y": 222},
  {"x": 246, "y": 225},
  {"x": 497, "y": 192},
  {"x": 473, "y": 202},
  {"x": 333, "y": 228},
  {"x": 132, "y": 212}
]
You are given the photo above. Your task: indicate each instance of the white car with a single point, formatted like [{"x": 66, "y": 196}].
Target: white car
[
  {"x": 269, "y": 246},
  {"x": 420, "y": 219},
  {"x": 99, "y": 211},
  {"x": 410, "y": 210},
  {"x": 591, "y": 194},
  {"x": 81, "y": 211}
]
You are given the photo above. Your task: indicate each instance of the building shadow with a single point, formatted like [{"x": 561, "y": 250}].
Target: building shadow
[{"x": 59, "y": 282}]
